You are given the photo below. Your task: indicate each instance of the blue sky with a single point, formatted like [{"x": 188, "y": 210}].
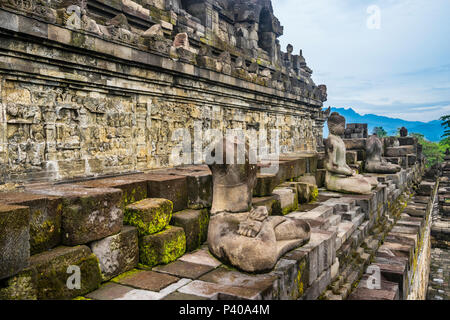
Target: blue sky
[{"x": 401, "y": 70}]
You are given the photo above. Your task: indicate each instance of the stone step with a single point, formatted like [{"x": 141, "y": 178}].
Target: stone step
[
  {"x": 117, "y": 254},
  {"x": 351, "y": 214},
  {"x": 334, "y": 220},
  {"x": 50, "y": 272},
  {"x": 88, "y": 214},
  {"x": 149, "y": 216},
  {"x": 195, "y": 225},
  {"x": 163, "y": 247}
]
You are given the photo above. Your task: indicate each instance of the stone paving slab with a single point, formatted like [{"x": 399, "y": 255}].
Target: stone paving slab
[
  {"x": 184, "y": 269},
  {"x": 146, "y": 280},
  {"x": 201, "y": 256}
]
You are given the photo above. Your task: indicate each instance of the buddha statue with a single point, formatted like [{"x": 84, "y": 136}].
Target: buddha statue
[
  {"x": 374, "y": 161},
  {"x": 244, "y": 237},
  {"x": 339, "y": 176}
]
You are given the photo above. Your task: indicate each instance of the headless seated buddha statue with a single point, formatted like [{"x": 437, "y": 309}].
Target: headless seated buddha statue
[
  {"x": 374, "y": 162},
  {"x": 244, "y": 237}
]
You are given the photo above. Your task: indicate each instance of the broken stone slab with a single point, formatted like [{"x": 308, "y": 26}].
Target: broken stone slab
[
  {"x": 184, "y": 269},
  {"x": 56, "y": 272},
  {"x": 171, "y": 187},
  {"x": 88, "y": 214},
  {"x": 163, "y": 247},
  {"x": 214, "y": 291},
  {"x": 133, "y": 189},
  {"x": 45, "y": 218},
  {"x": 14, "y": 239},
  {"x": 146, "y": 280},
  {"x": 118, "y": 253},
  {"x": 195, "y": 225},
  {"x": 149, "y": 216},
  {"x": 265, "y": 283}
]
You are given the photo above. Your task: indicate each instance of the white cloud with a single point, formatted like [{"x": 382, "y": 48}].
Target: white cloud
[{"x": 402, "y": 66}]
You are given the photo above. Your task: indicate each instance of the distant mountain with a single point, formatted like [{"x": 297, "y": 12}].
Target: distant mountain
[{"x": 431, "y": 130}]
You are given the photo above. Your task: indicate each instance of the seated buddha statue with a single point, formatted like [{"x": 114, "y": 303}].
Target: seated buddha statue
[
  {"x": 247, "y": 238},
  {"x": 339, "y": 176},
  {"x": 374, "y": 161}
]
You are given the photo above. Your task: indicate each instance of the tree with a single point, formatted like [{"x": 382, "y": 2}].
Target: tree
[
  {"x": 446, "y": 124},
  {"x": 380, "y": 132},
  {"x": 434, "y": 152}
]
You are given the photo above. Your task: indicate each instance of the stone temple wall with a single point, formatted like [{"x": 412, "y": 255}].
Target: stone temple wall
[{"x": 93, "y": 88}]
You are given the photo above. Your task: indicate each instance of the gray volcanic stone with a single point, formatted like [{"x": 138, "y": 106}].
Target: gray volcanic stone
[
  {"x": 45, "y": 218},
  {"x": 52, "y": 272},
  {"x": 89, "y": 214},
  {"x": 14, "y": 239},
  {"x": 195, "y": 225},
  {"x": 118, "y": 253}
]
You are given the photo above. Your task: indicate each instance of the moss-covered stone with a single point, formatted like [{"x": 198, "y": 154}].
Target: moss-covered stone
[
  {"x": 163, "y": 247},
  {"x": 19, "y": 287},
  {"x": 195, "y": 226},
  {"x": 149, "y": 216},
  {"x": 45, "y": 218},
  {"x": 51, "y": 269},
  {"x": 88, "y": 214}
]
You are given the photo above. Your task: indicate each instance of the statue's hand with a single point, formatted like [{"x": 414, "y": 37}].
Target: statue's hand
[
  {"x": 259, "y": 214},
  {"x": 250, "y": 228}
]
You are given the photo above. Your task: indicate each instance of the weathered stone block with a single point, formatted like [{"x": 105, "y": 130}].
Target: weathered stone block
[
  {"x": 288, "y": 199},
  {"x": 399, "y": 151},
  {"x": 133, "y": 189},
  {"x": 14, "y": 239},
  {"x": 195, "y": 225},
  {"x": 149, "y": 216},
  {"x": 265, "y": 184},
  {"x": 53, "y": 273},
  {"x": 307, "y": 192},
  {"x": 163, "y": 247},
  {"x": 272, "y": 203},
  {"x": 118, "y": 253},
  {"x": 351, "y": 157},
  {"x": 45, "y": 218},
  {"x": 171, "y": 187},
  {"x": 89, "y": 214},
  {"x": 200, "y": 187}
]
